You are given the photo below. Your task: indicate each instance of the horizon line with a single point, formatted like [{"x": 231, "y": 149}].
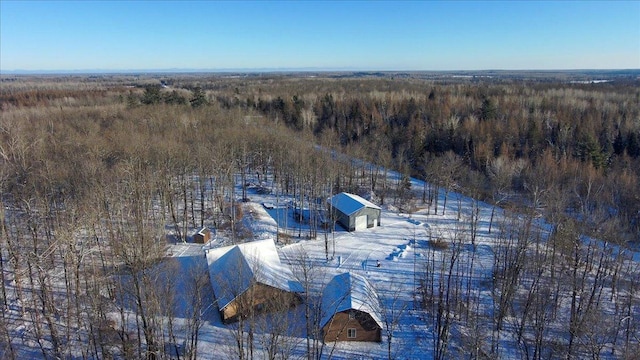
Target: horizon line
[{"x": 284, "y": 70}]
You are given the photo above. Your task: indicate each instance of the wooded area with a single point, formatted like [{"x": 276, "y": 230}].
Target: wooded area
[{"x": 94, "y": 170}]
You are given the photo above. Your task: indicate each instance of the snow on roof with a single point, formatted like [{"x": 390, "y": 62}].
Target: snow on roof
[
  {"x": 204, "y": 230},
  {"x": 350, "y": 203},
  {"x": 233, "y": 269},
  {"x": 349, "y": 292}
]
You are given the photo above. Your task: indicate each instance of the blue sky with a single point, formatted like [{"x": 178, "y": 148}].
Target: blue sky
[{"x": 359, "y": 35}]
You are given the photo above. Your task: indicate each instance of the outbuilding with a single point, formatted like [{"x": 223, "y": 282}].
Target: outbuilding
[
  {"x": 353, "y": 212},
  {"x": 350, "y": 310},
  {"x": 202, "y": 236}
]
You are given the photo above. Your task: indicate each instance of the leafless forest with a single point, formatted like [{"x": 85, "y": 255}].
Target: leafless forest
[{"x": 95, "y": 170}]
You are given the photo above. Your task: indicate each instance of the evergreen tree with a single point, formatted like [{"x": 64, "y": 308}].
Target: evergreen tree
[
  {"x": 488, "y": 110},
  {"x": 199, "y": 98},
  {"x": 633, "y": 144},
  {"x": 619, "y": 144},
  {"x": 132, "y": 100},
  {"x": 173, "y": 98},
  {"x": 151, "y": 95}
]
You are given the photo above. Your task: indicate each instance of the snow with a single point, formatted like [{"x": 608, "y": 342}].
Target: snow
[
  {"x": 268, "y": 205},
  {"x": 403, "y": 245},
  {"x": 262, "y": 225},
  {"x": 597, "y": 81},
  {"x": 350, "y": 203}
]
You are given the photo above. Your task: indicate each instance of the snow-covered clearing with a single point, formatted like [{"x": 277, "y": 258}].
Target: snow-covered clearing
[{"x": 406, "y": 246}]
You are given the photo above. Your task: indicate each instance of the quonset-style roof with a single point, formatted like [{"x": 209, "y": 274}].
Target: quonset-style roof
[
  {"x": 350, "y": 203},
  {"x": 233, "y": 269},
  {"x": 350, "y": 292}
]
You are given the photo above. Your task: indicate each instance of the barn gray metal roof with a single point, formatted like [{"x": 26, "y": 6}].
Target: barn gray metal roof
[{"x": 349, "y": 203}]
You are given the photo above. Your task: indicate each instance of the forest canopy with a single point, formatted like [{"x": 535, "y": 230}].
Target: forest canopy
[{"x": 577, "y": 142}]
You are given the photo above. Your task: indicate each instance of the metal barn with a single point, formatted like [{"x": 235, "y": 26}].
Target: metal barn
[{"x": 353, "y": 212}]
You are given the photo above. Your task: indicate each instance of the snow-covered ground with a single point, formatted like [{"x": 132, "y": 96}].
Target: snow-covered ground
[
  {"x": 415, "y": 252},
  {"x": 404, "y": 247}
]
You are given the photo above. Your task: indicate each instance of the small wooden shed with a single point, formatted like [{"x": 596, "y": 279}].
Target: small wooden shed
[
  {"x": 350, "y": 310},
  {"x": 353, "y": 212},
  {"x": 202, "y": 236}
]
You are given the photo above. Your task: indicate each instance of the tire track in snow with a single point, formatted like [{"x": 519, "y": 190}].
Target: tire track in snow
[{"x": 360, "y": 262}]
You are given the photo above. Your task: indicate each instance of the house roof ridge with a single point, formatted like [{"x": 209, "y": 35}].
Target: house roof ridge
[{"x": 350, "y": 203}]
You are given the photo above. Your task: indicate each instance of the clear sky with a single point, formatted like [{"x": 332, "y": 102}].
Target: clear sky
[{"x": 358, "y": 35}]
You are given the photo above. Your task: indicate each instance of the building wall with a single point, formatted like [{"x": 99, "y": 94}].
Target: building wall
[
  {"x": 202, "y": 238},
  {"x": 373, "y": 215},
  {"x": 349, "y": 222},
  {"x": 344, "y": 220},
  {"x": 337, "y": 328},
  {"x": 259, "y": 298}
]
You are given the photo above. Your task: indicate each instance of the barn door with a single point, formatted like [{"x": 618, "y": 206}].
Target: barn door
[{"x": 361, "y": 222}]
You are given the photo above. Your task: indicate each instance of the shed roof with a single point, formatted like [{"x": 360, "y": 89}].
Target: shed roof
[
  {"x": 349, "y": 291},
  {"x": 233, "y": 269},
  {"x": 349, "y": 203},
  {"x": 203, "y": 231}
]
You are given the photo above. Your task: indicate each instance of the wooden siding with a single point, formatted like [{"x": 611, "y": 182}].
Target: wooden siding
[
  {"x": 337, "y": 328},
  {"x": 259, "y": 298},
  {"x": 202, "y": 236}
]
